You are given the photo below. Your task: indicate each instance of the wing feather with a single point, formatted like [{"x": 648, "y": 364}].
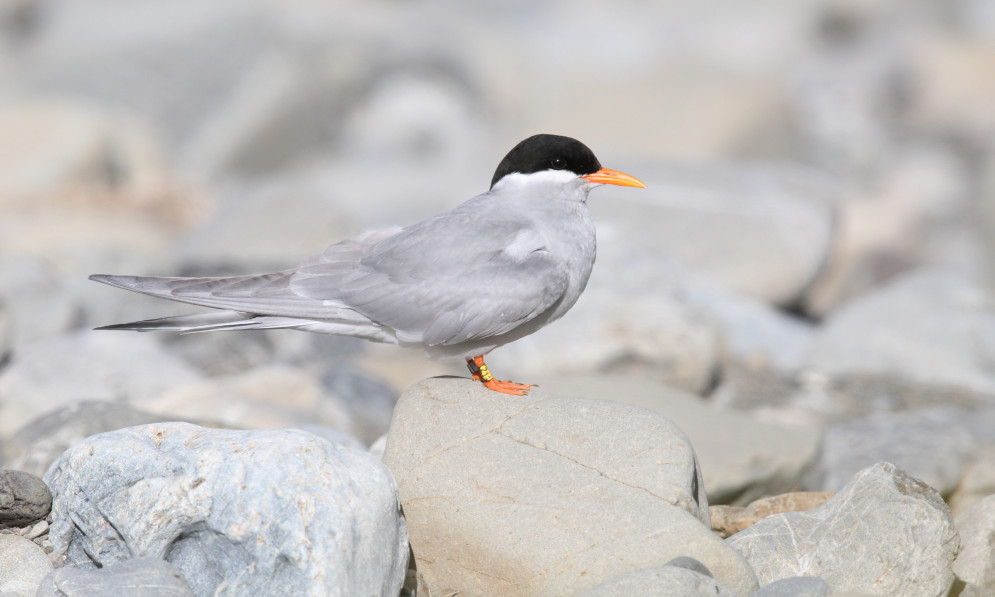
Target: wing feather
[
  {"x": 456, "y": 277},
  {"x": 470, "y": 273}
]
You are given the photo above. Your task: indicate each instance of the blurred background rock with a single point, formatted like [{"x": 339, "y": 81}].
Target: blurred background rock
[{"x": 813, "y": 247}]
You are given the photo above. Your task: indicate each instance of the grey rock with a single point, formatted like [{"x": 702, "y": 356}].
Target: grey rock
[
  {"x": 39, "y": 443},
  {"x": 928, "y": 326},
  {"x": 560, "y": 493},
  {"x": 23, "y": 565},
  {"x": 138, "y": 577},
  {"x": 662, "y": 580},
  {"x": 975, "y": 565},
  {"x": 884, "y": 533},
  {"x": 928, "y": 444},
  {"x": 35, "y": 530},
  {"x": 87, "y": 365},
  {"x": 796, "y": 586},
  {"x": 24, "y": 498},
  {"x": 237, "y": 512},
  {"x": 742, "y": 456}
]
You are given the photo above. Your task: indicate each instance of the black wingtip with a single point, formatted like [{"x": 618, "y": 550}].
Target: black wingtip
[
  {"x": 102, "y": 278},
  {"x": 118, "y": 327}
]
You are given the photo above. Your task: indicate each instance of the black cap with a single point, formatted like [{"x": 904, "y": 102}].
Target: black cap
[{"x": 547, "y": 152}]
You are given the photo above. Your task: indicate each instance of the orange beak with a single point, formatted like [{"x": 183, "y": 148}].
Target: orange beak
[{"x": 607, "y": 176}]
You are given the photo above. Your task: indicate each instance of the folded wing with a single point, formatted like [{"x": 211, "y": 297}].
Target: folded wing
[{"x": 449, "y": 279}]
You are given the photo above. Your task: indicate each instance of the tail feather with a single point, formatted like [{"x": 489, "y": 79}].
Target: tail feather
[
  {"x": 262, "y": 294},
  {"x": 207, "y": 322},
  {"x": 217, "y": 321}
]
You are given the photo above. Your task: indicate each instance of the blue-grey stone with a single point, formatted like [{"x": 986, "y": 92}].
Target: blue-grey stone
[{"x": 277, "y": 512}]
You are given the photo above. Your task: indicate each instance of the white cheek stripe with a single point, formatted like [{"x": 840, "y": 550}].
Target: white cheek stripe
[{"x": 546, "y": 176}]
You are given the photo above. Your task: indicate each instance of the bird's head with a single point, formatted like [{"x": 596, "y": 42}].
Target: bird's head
[{"x": 554, "y": 159}]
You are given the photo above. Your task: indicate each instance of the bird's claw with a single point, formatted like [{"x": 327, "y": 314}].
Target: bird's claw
[{"x": 507, "y": 387}]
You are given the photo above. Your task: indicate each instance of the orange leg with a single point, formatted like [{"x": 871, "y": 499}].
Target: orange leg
[{"x": 482, "y": 374}]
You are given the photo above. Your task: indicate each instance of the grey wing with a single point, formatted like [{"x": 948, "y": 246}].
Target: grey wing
[
  {"x": 258, "y": 294},
  {"x": 453, "y": 278}
]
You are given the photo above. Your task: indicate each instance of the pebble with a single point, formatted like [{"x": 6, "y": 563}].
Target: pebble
[
  {"x": 24, "y": 499},
  {"x": 729, "y": 520}
]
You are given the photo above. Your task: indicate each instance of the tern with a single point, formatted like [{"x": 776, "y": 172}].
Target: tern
[{"x": 492, "y": 270}]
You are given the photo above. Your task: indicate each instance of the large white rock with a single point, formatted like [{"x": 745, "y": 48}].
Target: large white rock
[
  {"x": 885, "y": 533},
  {"x": 545, "y": 495},
  {"x": 237, "y": 512}
]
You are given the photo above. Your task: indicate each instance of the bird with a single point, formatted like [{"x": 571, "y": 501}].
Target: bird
[{"x": 490, "y": 271}]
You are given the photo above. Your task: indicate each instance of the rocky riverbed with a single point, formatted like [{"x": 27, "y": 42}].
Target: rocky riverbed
[{"x": 779, "y": 382}]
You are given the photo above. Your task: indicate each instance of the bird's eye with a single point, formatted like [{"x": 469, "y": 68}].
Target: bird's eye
[{"x": 558, "y": 163}]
